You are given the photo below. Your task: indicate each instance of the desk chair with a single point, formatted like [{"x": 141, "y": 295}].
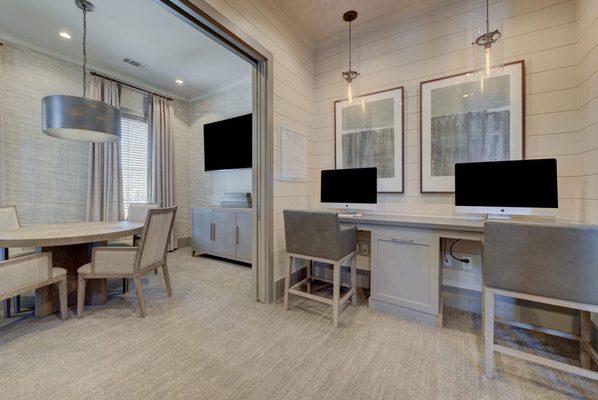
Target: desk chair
[
  {"x": 9, "y": 219},
  {"x": 318, "y": 236},
  {"x": 547, "y": 263},
  {"x": 132, "y": 262},
  {"x": 25, "y": 274}
]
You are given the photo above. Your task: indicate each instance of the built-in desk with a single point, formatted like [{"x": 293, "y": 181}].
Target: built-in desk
[{"x": 406, "y": 262}]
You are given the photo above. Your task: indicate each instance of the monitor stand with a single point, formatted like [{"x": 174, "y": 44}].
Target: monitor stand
[
  {"x": 350, "y": 214},
  {"x": 498, "y": 217}
]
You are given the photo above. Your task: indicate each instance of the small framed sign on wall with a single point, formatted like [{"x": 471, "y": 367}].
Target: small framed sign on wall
[
  {"x": 293, "y": 155},
  {"x": 470, "y": 117},
  {"x": 369, "y": 133}
]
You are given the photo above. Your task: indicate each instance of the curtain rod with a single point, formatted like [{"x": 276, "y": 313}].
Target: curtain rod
[{"x": 129, "y": 85}]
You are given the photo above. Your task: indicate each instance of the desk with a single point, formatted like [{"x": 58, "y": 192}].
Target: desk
[
  {"x": 70, "y": 245},
  {"x": 406, "y": 262}
]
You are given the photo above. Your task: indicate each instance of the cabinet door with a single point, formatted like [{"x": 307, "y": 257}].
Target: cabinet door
[
  {"x": 201, "y": 229},
  {"x": 406, "y": 271},
  {"x": 225, "y": 231},
  {"x": 244, "y": 236}
]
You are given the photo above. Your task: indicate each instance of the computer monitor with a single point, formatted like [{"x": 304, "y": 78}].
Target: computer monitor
[
  {"x": 523, "y": 187},
  {"x": 351, "y": 188}
]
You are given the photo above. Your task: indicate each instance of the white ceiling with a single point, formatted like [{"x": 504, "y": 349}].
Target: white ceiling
[
  {"x": 321, "y": 18},
  {"x": 139, "y": 29}
]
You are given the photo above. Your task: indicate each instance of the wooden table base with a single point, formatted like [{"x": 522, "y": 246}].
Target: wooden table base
[{"x": 71, "y": 258}]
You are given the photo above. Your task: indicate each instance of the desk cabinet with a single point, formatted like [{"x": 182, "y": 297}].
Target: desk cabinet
[
  {"x": 222, "y": 232},
  {"x": 405, "y": 273}
]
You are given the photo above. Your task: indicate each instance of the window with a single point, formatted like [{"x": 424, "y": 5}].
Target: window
[{"x": 134, "y": 160}]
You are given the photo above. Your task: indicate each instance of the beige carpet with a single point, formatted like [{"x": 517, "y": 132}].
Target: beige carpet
[{"x": 210, "y": 341}]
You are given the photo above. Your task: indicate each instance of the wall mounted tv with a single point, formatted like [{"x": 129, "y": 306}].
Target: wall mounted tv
[{"x": 227, "y": 143}]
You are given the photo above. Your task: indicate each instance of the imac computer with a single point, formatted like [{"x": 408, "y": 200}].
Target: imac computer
[
  {"x": 350, "y": 189},
  {"x": 502, "y": 188}
]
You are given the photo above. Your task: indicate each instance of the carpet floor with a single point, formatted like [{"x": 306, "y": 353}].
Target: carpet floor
[{"x": 211, "y": 341}]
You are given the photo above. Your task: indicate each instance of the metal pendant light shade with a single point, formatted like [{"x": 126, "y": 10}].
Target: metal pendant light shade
[{"x": 78, "y": 118}]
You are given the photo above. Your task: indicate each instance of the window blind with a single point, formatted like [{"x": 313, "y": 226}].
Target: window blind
[{"x": 134, "y": 142}]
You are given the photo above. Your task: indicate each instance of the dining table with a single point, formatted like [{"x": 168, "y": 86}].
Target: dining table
[{"x": 71, "y": 245}]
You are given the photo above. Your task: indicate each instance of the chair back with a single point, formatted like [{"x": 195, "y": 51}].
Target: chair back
[
  {"x": 546, "y": 259},
  {"x": 312, "y": 233},
  {"x": 156, "y": 236},
  {"x": 25, "y": 271},
  {"x": 9, "y": 218},
  {"x": 138, "y": 211}
]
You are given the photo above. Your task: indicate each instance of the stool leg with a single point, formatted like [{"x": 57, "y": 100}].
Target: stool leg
[
  {"x": 287, "y": 284},
  {"x": 17, "y": 304},
  {"x": 354, "y": 278},
  {"x": 336, "y": 293},
  {"x": 489, "y": 332},
  {"x": 6, "y": 306},
  {"x": 584, "y": 356},
  {"x": 309, "y": 265}
]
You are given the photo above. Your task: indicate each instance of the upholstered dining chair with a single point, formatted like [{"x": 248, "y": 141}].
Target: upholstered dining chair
[
  {"x": 132, "y": 262},
  {"x": 137, "y": 213},
  {"x": 25, "y": 274},
  {"x": 9, "y": 219},
  {"x": 318, "y": 236}
]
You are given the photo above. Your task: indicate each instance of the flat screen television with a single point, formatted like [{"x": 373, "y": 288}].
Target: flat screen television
[
  {"x": 524, "y": 187},
  {"x": 349, "y": 188},
  {"x": 227, "y": 143}
]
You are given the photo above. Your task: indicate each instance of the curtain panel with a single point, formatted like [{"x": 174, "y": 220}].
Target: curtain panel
[
  {"x": 105, "y": 200},
  {"x": 161, "y": 156}
]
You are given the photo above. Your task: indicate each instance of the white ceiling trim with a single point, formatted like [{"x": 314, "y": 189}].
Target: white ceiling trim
[
  {"x": 230, "y": 85},
  {"x": 15, "y": 40}
]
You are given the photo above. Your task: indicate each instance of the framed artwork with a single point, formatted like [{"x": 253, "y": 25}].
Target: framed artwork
[
  {"x": 467, "y": 119},
  {"x": 369, "y": 133}
]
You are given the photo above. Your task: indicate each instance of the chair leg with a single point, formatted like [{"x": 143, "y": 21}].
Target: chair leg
[
  {"x": 167, "y": 279},
  {"x": 336, "y": 293},
  {"x": 80, "y": 296},
  {"x": 354, "y": 279},
  {"x": 6, "y": 305},
  {"x": 125, "y": 285},
  {"x": 137, "y": 280},
  {"x": 62, "y": 294},
  {"x": 488, "y": 318},
  {"x": 287, "y": 284},
  {"x": 585, "y": 359}
]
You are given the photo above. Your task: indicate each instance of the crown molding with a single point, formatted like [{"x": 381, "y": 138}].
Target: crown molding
[{"x": 219, "y": 89}]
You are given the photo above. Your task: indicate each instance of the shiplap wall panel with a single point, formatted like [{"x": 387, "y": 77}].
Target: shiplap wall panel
[
  {"x": 293, "y": 93},
  {"x": 209, "y": 188},
  {"x": 436, "y": 43}
]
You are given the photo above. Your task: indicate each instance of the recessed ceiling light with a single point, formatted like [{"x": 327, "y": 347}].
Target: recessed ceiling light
[
  {"x": 179, "y": 81},
  {"x": 65, "y": 35}
]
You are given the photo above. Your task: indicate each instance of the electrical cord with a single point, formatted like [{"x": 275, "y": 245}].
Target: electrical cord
[{"x": 463, "y": 260}]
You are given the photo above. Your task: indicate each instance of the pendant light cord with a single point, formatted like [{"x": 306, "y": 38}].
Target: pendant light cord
[
  {"x": 84, "y": 51},
  {"x": 487, "y": 16},
  {"x": 350, "y": 46}
]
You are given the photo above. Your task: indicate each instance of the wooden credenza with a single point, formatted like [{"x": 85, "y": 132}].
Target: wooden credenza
[{"x": 222, "y": 232}]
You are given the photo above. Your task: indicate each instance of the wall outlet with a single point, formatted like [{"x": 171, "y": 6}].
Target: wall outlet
[
  {"x": 364, "y": 249},
  {"x": 467, "y": 266}
]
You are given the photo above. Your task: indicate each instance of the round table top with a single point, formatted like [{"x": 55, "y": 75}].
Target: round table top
[{"x": 67, "y": 234}]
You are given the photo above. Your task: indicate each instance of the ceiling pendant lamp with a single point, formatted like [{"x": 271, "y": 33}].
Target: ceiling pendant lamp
[
  {"x": 350, "y": 75},
  {"x": 79, "y": 118},
  {"x": 488, "y": 54}
]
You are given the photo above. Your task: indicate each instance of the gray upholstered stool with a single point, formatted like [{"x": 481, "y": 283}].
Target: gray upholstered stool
[
  {"x": 547, "y": 263},
  {"x": 318, "y": 236}
]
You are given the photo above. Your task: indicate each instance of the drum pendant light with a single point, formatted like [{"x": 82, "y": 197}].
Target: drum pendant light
[{"x": 79, "y": 118}]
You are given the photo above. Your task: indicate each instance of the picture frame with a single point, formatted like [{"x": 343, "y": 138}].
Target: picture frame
[
  {"x": 369, "y": 132},
  {"x": 493, "y": 112}
]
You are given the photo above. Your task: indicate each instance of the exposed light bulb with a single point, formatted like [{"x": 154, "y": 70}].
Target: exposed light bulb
[
  {"x": 363, "y": 105},
  {"x": 349, "y": 93},
  {"x": 65, "y": 35},
  {"x": 487, "y": 56}
]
